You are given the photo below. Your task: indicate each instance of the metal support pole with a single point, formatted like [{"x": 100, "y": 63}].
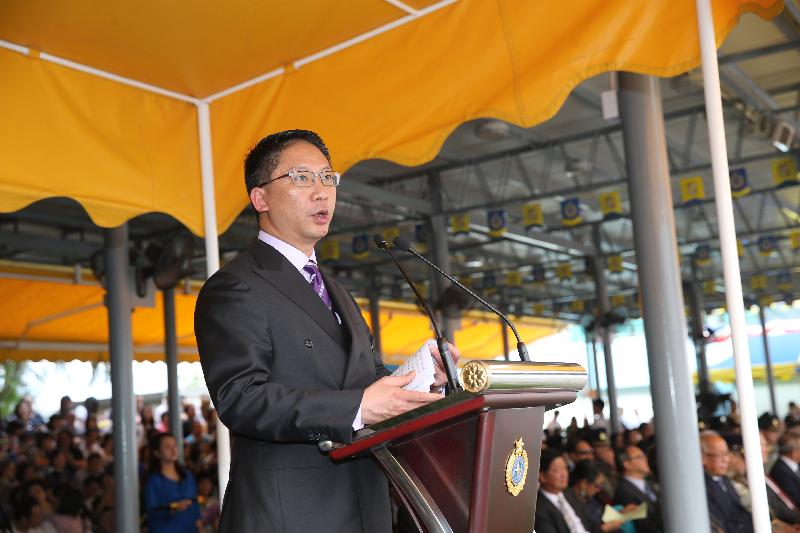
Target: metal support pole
[
  {"x": 696, "y": 308},
  {"x": 212, "y": 265},
  {"x": 601, "y": 289},
  {"x": 768, "y": 361},
  {"x": 171, "y": 351},
  {"x": 504, "y": 333},
  {"x": 590, "y": 362},
  {"x": 375, "y": 314},
  {"x": 439, "y": 250},
  {"x": 677, "y": 440},
  {"x": 730, "y": 269},
  {"x": 120, "y": 344},
  {"x": 596, "y": 366}
]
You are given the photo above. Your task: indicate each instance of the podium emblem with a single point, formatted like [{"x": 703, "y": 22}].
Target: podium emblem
[
  {"x": 474, "y": 377},
  {"x": 516, "y": 468}
]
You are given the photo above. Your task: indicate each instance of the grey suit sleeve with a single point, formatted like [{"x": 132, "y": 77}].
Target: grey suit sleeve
[{"x": 236, "y": 355}]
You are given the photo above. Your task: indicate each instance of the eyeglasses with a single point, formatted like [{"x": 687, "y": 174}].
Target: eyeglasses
[{"x": 305, "y": 178}]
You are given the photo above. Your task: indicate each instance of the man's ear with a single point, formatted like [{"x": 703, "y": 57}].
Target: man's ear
[{"x": 258, "y": 199}]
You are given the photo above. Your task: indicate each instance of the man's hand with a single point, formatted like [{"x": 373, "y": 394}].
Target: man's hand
[
  {"x": 386, "y": 398},
  {"x": 440, "y": 376}
]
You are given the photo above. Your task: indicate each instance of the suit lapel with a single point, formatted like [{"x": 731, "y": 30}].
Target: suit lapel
[
  {"x": 281, "y": 274},
  {"x": 351, "y": 316}
]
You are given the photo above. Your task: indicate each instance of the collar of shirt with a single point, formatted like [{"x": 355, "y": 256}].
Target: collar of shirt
[
  {"x": 791, "y": 464},
  {"x": 552, "y": 497},
  {"x": 638, "y": 483},
  {"x": 297, "y": 258}
]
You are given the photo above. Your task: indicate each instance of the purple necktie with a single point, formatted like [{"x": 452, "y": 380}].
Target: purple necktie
[{"x": 317, "y": 284}]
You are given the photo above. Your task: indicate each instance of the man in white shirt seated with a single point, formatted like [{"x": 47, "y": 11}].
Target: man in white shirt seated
[
  {"x": 557, "y": 509},
  {"x": 635, "y": 488}
]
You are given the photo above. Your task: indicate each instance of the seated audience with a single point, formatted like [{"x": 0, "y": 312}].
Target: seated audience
[
  {"x": 558, "y": 510},
  {"x": 724, "y": 506},
  {"x": 170, "y": 493},
  {"x": 634, "y": 488}
]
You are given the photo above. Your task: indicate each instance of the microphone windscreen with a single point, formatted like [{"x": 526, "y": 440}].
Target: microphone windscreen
[
  {"x": 401, "y": 243},
  {"x": 380, "y": 242}
]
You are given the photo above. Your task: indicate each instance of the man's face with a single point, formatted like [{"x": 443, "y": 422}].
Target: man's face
[
  {"x": 556, "y": 477},
  {"x": 299, "y": 216},
  {"x": 582, "y": 451},
  {"x": 715, "y": 456},
  {"x": 605, "y": 453},
  {"x": 636, "y": 464}
]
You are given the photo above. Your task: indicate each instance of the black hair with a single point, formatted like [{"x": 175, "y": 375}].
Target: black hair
[
  {"x": 548, "y": 456},
  {"x": 263, "y": 158},
  {"x": 587, "y": 470},
  {"x": 155, "y": 461}
]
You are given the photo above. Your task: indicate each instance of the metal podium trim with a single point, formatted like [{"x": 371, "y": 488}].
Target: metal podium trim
[{"x": 414, "y": 491}]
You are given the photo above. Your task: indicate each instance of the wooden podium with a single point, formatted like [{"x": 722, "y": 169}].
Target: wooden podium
[{"x": 470, "y": 462}]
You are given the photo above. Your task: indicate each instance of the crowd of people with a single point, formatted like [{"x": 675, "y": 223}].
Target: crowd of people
[
  {"x": 57, "y": 475},
  {"x": 584, "y": 471}
]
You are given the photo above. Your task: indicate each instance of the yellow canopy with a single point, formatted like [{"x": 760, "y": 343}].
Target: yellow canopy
[
  {"x": 375, "y": 80},
  {"x": 53, "y": 318}
]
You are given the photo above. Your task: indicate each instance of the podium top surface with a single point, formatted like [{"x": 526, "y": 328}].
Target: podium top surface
[{"x": 448, "y": 408}]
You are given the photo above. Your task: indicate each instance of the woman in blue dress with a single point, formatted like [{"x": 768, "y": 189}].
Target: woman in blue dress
[{"x": 170, "y": 493}]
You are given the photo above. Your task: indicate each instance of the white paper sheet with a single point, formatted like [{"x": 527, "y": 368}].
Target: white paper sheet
[{"x": 422, "y": 361}]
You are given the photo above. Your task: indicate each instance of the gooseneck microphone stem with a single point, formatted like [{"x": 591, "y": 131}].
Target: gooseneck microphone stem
[
  {"x": 441, "y": 341},
  {"x": 522, "y": 349}
]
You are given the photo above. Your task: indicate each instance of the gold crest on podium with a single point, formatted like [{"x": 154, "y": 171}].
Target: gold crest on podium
[{"x": 516, "y": 468}]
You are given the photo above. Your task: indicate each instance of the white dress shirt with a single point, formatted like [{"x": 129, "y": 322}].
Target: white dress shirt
[
  {"x": 570, "y": 516},
  {"x": 299, "y": 260}
]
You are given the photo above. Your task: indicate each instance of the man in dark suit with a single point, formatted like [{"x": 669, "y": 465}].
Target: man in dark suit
[
  {"x": 785, "y": 471},
  {"x": 634, "y": 488},
  {"x": 289, "y": 362},
  {"x": 724, "y": 505},
  {"x": 558, "y": 510}
]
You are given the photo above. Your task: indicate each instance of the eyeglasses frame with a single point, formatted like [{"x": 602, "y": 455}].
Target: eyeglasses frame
[{"x": 292, "y": 174}]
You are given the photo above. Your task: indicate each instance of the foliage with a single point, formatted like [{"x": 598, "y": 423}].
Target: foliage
[{"x": 11, "y": 386}]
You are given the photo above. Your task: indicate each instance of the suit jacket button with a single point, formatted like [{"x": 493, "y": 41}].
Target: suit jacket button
[
  {"x": 309, "y": 344},
  {"x": 325, "y": 446}
]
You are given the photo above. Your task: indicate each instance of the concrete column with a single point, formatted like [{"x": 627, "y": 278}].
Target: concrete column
[
  {"x": 683, "y": 497},
  {"x": 504, "y": 333},
  {"x": 768, "y": 360},
  {"x": 171, "y": 352},
  {"x": 120, "y": 341},
  {"x": 601, "y": 289}
]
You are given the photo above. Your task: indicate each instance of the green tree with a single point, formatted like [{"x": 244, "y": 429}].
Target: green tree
[{"x": 11, "y": 386}]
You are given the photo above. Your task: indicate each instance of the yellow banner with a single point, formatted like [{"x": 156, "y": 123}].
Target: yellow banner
[
  {"x": 514, "y": 279},
  {"x": 460, "y": 224},
  {"x": 758, "y": 282},
  {"x": 611, "y": 204},
  {"x": 532, "y": 216},
  {"x": 577, "y": 306},
  {"x": 614, "y": 263},
  {"x": 709, "y": 287},
  {"x": 538, "y": 309},
  {"x": 329, "y": 250},
  {"x": 692, "y": 190},
  {"x": 390, "y": 234},
  {"x": 794, "y": 239},
  {"x": 740, "y": 247},
  {"x": 784, "y": 171},
  {"x": 564, "y": 270},
  {"x": 617, "y": 300}
]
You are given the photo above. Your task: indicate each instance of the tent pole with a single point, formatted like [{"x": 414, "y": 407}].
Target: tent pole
[
  {"x": 171, "y": 351},
  {"x": 696, "y": 309},
  {"x": 212, "y": 265},
  {"x": 601, "y": 290},
  {"x": 440, "y": 252},
  {"x": 768, "y": 360},
  {"x": 677, "y": 440},
  {"x": 120, "y": 341},
  {"x": 730, "y": 267}
]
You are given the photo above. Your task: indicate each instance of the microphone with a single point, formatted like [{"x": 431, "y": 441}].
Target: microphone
[
  {"x": 441, "y": 342},
  {"x": 405, "y": 245}
]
